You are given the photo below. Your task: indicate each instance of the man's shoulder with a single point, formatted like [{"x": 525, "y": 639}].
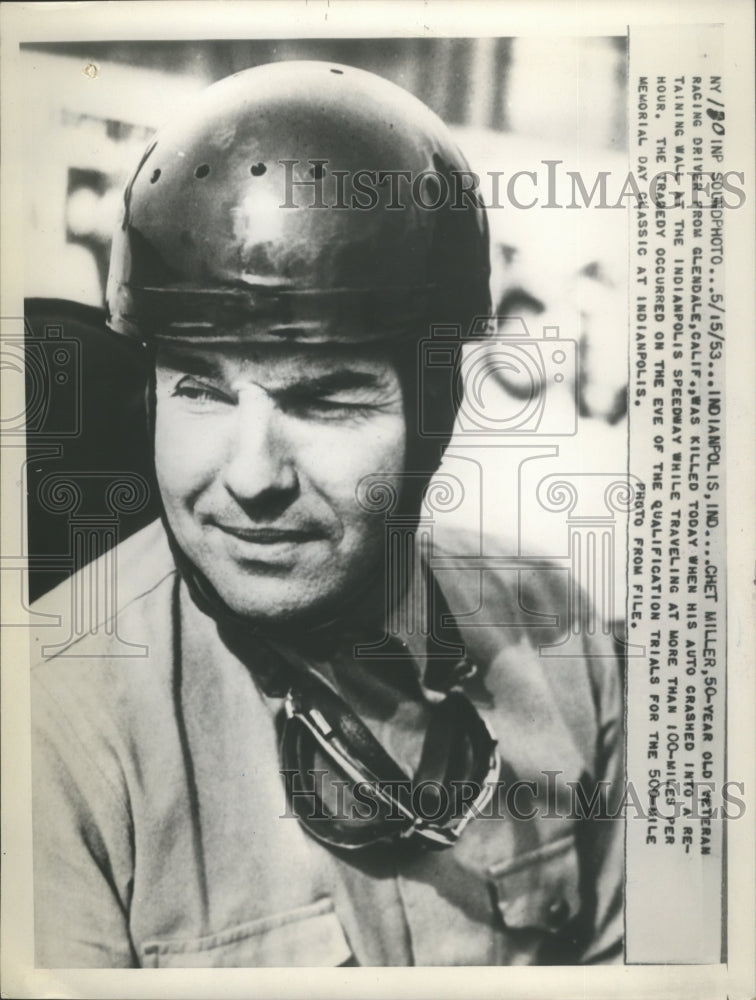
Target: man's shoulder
[
  {"x": 532, "y": 611},
  {"x": 469, "y": 562},
  {"x": 112, "y": 607}
]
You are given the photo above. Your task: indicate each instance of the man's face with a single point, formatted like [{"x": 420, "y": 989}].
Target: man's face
[{"x": 259, "y": 451}]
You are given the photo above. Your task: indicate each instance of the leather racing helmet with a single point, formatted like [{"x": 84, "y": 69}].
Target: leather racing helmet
[{"x": 303, "y": 202}]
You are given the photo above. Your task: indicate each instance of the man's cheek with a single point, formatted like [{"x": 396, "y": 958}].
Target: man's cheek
[
  {"x": 185, "y": 459},
  {"x": 382, "y": 450},
  {"x": 338, "y": 458},
  {"x": 176, "y": 479},
  {"x": 339, "y": 474}
]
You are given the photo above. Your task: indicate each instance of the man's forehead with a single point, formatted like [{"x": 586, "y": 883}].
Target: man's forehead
[{"x": 289, "y": 362}]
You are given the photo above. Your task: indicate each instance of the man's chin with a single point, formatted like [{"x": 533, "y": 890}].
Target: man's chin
[
  {"x": 309, "y": 594},
  {"x": 276, "y": 605},
  {"x": 268, "y": 609}
]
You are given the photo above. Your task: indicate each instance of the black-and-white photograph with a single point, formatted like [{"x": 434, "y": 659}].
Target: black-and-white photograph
[{"x": 367, "y": 441}]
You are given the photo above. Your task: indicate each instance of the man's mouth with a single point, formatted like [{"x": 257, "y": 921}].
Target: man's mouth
[{"x": 271, "y": 536}]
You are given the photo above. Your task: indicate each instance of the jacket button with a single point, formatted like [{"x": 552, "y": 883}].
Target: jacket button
[{"x": 557, "y": 913}]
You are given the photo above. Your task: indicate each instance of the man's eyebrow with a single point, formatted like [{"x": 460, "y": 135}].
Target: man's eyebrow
[
  {"x": 342, "y": 380},
  {"x": 339, "y": 381},
  {"x": 190, "y": 362}
]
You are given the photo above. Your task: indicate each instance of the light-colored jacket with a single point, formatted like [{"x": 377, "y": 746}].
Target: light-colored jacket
[{"x": 160, "y": 830}]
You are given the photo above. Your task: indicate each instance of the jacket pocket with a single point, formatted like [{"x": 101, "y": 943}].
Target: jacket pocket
[
  {"x": 310, "y": 935},
  {"x": 539, "y": 890}
]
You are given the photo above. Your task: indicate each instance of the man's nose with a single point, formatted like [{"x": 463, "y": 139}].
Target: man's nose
[{"x": 260, "y": 462}]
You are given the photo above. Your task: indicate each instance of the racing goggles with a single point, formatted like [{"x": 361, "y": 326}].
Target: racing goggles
[{"x": 348, "y": 792}]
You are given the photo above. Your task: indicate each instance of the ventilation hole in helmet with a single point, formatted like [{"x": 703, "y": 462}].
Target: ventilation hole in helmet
[
  {"x": 433, "y": 190},
  {"x": 155, "y": 176},
  {"x": 438, "y": 163},
  {"x": 338, "y": 72},
  {"x": 317, "y": 171},
  {"x": 257, "y": 169},
  {"x": 202, "y": 171}
]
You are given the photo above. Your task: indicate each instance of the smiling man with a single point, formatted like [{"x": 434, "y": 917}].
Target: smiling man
[
  {"x": 258, "y": 453},
  {"x": 313, "y": 761}
]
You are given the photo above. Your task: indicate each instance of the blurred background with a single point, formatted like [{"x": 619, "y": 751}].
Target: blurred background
[{"x": 513, "y": 102}]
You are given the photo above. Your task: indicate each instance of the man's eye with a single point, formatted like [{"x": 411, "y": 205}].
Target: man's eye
[
  {"x": 328, "y": 407},
  {"x": 199, "y": 392}
]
